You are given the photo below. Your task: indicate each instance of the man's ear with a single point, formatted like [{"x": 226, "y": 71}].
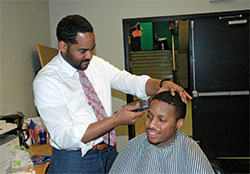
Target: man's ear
[
  {"x": 63, "y": 46},
  {"x": 180, "y": 123}
]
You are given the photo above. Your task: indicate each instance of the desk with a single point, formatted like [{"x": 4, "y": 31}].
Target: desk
[{"x": 39, "y": 149}]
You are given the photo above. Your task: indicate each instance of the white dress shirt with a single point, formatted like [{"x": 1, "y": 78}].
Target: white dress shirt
[{"x": 63, "y": 106}]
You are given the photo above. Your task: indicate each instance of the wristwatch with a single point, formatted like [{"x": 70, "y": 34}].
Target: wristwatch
[{"x": 163, "y": 81}]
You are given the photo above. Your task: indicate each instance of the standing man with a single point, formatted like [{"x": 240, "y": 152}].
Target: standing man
[{"x": 73, "y": 97}]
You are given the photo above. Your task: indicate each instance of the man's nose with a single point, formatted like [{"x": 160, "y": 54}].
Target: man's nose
[
  {"x": 153, "y": 123},
  {"x": 89, "y": 54}
]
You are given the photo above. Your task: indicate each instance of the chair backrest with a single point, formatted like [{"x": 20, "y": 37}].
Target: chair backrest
[{"x": 46, "y": 53}]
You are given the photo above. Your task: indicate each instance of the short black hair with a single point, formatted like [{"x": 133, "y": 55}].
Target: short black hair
[
  {"x": 166, "y": 97},
  {"x": 69, "y": 26}
]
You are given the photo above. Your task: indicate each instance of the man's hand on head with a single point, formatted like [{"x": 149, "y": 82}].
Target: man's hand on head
[{"x": 172, "y": 87}]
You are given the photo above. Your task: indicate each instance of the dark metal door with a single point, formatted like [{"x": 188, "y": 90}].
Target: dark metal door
[{"x": 219, "y": 78}]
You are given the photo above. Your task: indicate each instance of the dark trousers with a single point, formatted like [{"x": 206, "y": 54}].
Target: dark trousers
[{"x": 71, "y": 161}]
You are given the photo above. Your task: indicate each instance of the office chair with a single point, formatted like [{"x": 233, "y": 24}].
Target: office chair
[{"x": 46, "y": 53}]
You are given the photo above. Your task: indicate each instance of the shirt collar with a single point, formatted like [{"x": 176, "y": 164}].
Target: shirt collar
[{"x": 66, "y": 66}]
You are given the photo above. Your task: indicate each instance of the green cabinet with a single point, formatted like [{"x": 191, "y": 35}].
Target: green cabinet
[{"x": 147, "y": 36}]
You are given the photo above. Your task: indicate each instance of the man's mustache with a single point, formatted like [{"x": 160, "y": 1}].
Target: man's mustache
[
  {"x": 151, "y": 129},
  {"x": 86, "y": 60}
]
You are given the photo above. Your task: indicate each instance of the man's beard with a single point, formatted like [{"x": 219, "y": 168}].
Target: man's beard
[
  {"x": 70, "y": 59},
  {"x": 86, "y": 65}
]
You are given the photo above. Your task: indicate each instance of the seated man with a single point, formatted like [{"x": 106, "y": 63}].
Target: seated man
[{"x": 163, "y": 148}]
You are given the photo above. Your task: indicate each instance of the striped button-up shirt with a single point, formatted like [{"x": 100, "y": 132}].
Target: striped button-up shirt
[{"x": 182, "y": 156}]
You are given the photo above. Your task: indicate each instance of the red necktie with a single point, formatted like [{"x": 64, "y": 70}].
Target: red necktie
[{"x": 96, "y": 105}]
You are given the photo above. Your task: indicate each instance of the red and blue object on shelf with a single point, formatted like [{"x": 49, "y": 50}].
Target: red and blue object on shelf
[{"x": 40, "y": 159}]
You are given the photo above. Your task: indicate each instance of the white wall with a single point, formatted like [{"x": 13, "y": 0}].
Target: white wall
[{"x": 23, "y": 25}]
